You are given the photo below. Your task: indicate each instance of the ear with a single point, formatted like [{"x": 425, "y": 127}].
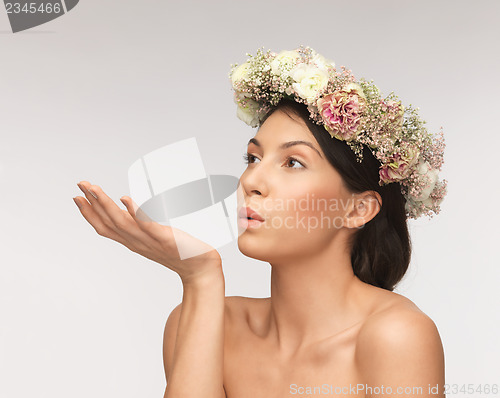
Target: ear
[{"x": 363, "y": 208}]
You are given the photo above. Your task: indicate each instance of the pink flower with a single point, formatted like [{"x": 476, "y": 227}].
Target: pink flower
[
  {"x": 341, "y": 111},
  {"x": 399, "y": 166},
  {"x": 393, "y": 112}
]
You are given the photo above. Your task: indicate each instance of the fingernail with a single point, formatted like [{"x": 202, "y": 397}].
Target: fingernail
[
  {"x": 92, "y": 193},
  {"x": 134, "y": 206},
  {"x": 78, "y": 204}
]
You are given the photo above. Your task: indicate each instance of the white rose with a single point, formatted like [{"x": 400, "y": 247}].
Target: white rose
[
  {"x": 240, "y": 73},
  {"x": 283, "y": 62},
  {"x": 310, "y": 80},
  {"x": 247, "y": 112},
  {"x": 427, "y": 174}
]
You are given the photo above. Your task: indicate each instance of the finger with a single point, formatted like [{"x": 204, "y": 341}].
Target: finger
[
  {"x": 95, "y": 220},
  {"x": 91, "y": 196},
  {"x": 159, "y": 233},
  {"x": 102, "y": 229},
  {"x": 171, "y": 239},
  {"x": 120, "y": 221}
]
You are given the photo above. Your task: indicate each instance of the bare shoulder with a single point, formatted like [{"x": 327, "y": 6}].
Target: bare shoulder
[
  {"x": 239, "y": 306},
  {"x": 397, "y": 319},
  {"x": 234, "y": 307},
  {"x": 400, "y": 322},
  {"x": 236, "y": 303},
  {"x": 398, "y": 341},
  {"x": 245, "y": 315}
]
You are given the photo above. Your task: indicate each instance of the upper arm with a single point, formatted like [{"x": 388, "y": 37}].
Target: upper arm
[
  {"x": 402, "y": 352},
  {"x": 169, "y": 337}
]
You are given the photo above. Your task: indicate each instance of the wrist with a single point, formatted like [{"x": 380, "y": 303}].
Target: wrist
[{"x": 211, "y": 276}]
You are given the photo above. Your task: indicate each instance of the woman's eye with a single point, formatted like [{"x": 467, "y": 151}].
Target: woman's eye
[
  {"x": 289, "y": 160},
  {"x": 248, "y": 158}
]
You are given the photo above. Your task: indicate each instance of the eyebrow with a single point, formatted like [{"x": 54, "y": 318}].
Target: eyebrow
[{"x": 287, "y": 144}]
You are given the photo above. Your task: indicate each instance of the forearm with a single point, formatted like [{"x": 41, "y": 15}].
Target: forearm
[{"x": 197, "y": 369}]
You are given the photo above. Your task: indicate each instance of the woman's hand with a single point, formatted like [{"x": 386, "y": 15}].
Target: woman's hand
[{"x": 146, "y": 237}]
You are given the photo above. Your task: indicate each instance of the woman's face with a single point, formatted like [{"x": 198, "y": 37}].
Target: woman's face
[{"x": 292, "y": 186}]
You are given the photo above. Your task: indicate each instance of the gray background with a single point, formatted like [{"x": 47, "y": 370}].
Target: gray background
[{"x": 85, "y": 95}]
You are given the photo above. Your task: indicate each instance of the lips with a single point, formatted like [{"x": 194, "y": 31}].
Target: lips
[{"x": 249, "y": 213}]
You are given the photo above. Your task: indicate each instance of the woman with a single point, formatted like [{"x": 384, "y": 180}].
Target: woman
[{"x": 333, "y": 228}]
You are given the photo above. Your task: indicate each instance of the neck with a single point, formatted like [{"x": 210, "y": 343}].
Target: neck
[{"x": 313, "y": 298}]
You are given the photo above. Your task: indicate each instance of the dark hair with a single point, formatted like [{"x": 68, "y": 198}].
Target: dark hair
[{"x": 381, "y": 250}]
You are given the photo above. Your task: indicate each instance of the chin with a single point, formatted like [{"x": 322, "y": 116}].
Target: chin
[
  {"x": 265, "y": 250},
  {"x": 253, "y": 248}
]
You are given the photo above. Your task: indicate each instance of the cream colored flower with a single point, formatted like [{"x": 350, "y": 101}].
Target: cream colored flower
[
  {"x": 427, "y": 175},
  {"x": 240, "y": 73},
  {"x": 247, "y": 109},
  {"x": 284, "y": 62},
  {"x": 309, "y": 81}
]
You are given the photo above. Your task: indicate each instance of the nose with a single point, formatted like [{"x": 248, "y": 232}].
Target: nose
[{"x": 254, "y": 182}]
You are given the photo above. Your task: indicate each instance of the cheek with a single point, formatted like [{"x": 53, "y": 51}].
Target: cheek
[{"x": 311, "y": 208}]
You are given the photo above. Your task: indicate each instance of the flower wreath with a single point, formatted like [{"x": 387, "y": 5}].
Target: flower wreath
[{"x": 351, "y": 111}]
